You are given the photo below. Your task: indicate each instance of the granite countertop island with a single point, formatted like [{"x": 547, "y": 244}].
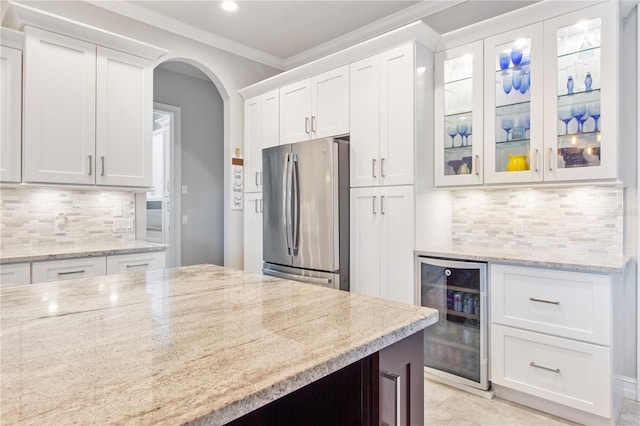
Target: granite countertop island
[
  {"x": 531, "y": 256},
  {"x": 199, "y": 344},
  {"x": 71, "y": 251}
]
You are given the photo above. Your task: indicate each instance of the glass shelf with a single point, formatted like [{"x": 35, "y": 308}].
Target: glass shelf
[
  {"x": 461, "y": 314},
  {"x": 517, "y": 107},
  {"x": 459, "y": 148},
  {"x": 579, "y": 139},
  {"x": 576, "y": 97},
  {"x": 458, "y": 114},
  {"x": 457, "y": 80},
  {"x": 577, "y": 52},
  {"x": 514, "y": 141}
]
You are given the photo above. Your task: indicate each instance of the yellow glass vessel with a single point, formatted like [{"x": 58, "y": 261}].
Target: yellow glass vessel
[{"x": 517, "y": 163}]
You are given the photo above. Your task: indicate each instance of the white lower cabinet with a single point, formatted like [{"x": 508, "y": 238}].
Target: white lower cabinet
[
  {"x": 55, "y": 270},
  {"x": 253, "y": 209},
  {"x": 382, "y": 242},
  {"x": 15, "y": 274},
  {"x": 552, "y": 337},
  {"x": 135, "y": 262}
]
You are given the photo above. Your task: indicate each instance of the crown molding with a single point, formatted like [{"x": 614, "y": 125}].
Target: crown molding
[
  {"x": 12, "y": 38},
  {"x": 174, "y": 26},
  {"x": 379, "y": 27}
]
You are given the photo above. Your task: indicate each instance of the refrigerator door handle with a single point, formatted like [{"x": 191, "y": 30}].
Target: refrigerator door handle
[
  {"x": 295, "y": 183},
  {"x": 286, "y": 189},
  {"x": 310, "y": 280}
]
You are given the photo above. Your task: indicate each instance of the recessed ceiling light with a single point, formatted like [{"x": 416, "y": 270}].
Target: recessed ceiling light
[{"x": 229, "y": 6}]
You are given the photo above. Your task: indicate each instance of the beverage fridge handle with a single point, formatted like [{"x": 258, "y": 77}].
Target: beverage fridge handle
[{"x": 295, "y": 183}]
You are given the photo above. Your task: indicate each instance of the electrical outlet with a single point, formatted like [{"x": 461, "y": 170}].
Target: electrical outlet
[
  {"x": 185, "y": 219},
  {"x": 518, "y": 227},
  {"x": 60, "y": 224}
]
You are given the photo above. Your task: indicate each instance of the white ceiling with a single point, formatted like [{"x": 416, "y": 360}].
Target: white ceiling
[{"x": 286, "y": 34}]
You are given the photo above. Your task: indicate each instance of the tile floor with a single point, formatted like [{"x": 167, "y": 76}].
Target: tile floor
[{"x": 449, "y": 406}]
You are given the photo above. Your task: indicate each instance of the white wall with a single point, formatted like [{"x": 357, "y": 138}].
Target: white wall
[
  {"x": 228, "y": 72},
  {"x": 202, "y": 165}
]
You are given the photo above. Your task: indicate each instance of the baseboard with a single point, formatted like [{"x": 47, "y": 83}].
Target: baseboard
[{"x": 630, "y": 387}]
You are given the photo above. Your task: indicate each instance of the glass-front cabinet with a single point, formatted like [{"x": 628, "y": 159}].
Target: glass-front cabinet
[
  {"x": 581, "y": 80},
  {"x": 458, "y": 122},
  {"x": 513, "y": 106}
]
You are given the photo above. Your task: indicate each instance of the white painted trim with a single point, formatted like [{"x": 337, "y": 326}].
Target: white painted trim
[
  {"x": 636, "y": 218},
  {"x": 174, "y": 26},
  {"x": 12, "y": 38},
  {"x": 629, "y": 388},
  {"x": 175, "y": 178},
  {"x": 374, "y": 29},
  {"x": 19, "y": 15}
]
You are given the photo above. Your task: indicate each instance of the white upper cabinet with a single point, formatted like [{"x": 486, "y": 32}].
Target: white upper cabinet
[
  {"x": 124, "y": 119},
  {"x": 579, "y": 143},
  {"x": 260, "y": 131},
  {"x": 459, "y": 116},
  {"x": 315, "y": 108},
  {"x": 383, "y": 118},
  {"x": 59, "y": 109},
  {"x": 514, "y": 89},
  {"x": 11, "y": 112},
  {"x": 87, "y": 113},
  {"x": 253, "y": 210}
]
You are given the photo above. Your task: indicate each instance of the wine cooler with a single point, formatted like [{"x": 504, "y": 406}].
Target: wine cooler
[{"x": 455, "y": 348}]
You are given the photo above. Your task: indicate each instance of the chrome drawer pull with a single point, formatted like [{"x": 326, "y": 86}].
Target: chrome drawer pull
[
  {"x": 135, "y": 266},
  {"x": 551, "y": 302},
  {"x": 81, "y": 271},
  {"x": 553, "y": 370}
]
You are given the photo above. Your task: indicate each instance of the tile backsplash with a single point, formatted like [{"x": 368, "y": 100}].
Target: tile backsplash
[
  {"x": 27, "y": 216},
  {"x": 584, "y": 218}
]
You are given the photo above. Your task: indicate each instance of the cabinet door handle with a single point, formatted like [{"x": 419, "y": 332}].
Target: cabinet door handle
[
  {"x": 306, "y": 125},
  {"x": 395, "y": 378},
  {"x": 138, "y": 265},
  {"x": 260, "y": 178},
  {"x": 255, "y": 206},
  {"x": 256, "y": 179},
  {"x": 373, "y": 205},
  {"x": 550, "y": 164},
  {"x": 476, "y": 165},
  {"x": 314, "y": 127},
  {"x": 373, "y": 167},
  {"x": 382, "y": 204},
  {"x": 551, "y": 302},
  {"x": 90, "y": 165},
  {"x": 80, "y": 271},
  {"x": 102, "y": 161},
  {"x": 553, "y": 370},
  {"x": 261, "y": 206},
  {"x": 381, "y": 166},
  {"x": 536, "y": 152}
]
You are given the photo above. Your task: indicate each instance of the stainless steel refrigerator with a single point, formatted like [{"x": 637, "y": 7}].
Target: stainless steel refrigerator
[{"x": 306, "y": 212}]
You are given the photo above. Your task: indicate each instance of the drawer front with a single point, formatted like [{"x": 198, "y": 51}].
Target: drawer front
[
  {"x": 68, "y": 269},
  {"x": 572, "y": 373},
  {"x": 563, "y": 303},
  {"x": 134, "y": 262},
  {"x": 15, "y": 274}
]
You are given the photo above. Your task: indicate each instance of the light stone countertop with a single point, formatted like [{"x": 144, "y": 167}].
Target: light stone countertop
[
  {"x": 198, "y": 344},
  {"x": 547, "y": 258},
  {"x": 71, "y": 251}
]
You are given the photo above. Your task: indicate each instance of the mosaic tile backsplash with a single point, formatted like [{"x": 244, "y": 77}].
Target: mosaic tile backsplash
[
  {"x": 585, "y": 218},
  {"x": 27, "y": 216}
]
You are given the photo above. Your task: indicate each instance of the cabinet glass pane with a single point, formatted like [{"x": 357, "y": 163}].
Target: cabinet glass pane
[
  {"x": 578, "y": 94},
  {"x": 453, "y": 344},
  {"x": 512, "y": 90},
  {"x": 458, "y": 106}
]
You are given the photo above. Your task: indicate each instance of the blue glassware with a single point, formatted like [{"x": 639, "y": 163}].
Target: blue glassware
[
  {"x": 452, "y": 131},
  {"x": 467, "y": 134},
  {"x": 578, "y": 111},
  {"x": 525, "y": 123},
  {"x": 462, "y": 130},
  {"x": 594, "y": 111},
  {"x": 516, "y": 56},
  {"x": 570, "y": 85},
  {"x": 565, "y": 115},
  {"x": 526, "y": 59},
  {"x": 588, "y": 81},
  {"x": 507, "y": 125},
  {"x": 504, "y": 60},
  {"x": 507, "y": 82},
  {"x": 526, "y": 79},
  {"x": 517, "y": 79}
]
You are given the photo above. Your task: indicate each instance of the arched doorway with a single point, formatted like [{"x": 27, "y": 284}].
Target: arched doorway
[{"x": 196, "y": 167}]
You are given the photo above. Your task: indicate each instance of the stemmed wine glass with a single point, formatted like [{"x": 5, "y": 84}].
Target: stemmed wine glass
[
  {"x": 565, "y": 115},
  {"x": 578, "y": 112},
  {"x": 504, "y": 59},
  {"x": 524, "y": 85},
  {"x": 462, "y": 131},
  {"x": 517, "y": 78},
  {"x": 594, "y": 111},
  {"x": 516, "y": 56},
  {"x": 525, "y": 123},
  {"x": 507, "y": 125},
  {"x": 452, "y": 131},
  {"x": 507, "y": 82},
  {"x": 467, "y": 134}
]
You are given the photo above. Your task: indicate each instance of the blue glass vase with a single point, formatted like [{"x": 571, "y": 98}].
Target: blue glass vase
[
  {"x": 588, "y": 81},
  {"x": 570, "y": 85}
]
